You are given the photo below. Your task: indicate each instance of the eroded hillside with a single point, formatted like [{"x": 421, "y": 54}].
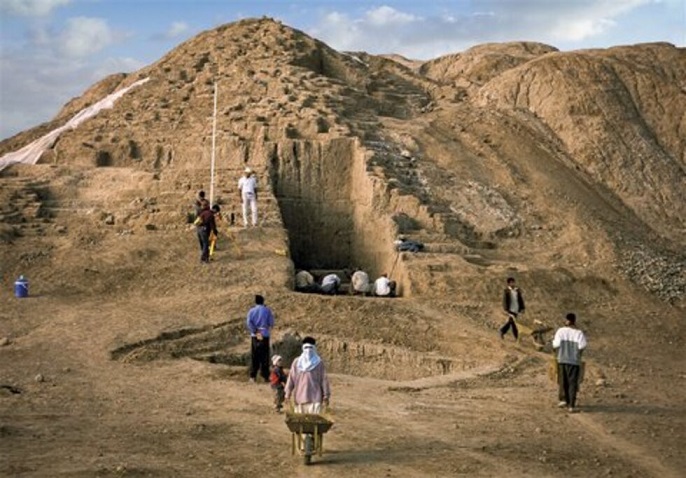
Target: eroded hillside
[{"x": 564, "y": 169}]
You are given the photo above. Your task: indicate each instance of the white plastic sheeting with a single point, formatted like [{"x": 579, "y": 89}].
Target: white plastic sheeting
[{"x": 31, "y": 153}]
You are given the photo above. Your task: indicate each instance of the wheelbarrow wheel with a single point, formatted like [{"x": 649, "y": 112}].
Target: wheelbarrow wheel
[{"x": 308, "y": 449}]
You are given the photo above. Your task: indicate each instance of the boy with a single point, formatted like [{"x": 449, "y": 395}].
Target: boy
[{"x": 277, "y": 379}]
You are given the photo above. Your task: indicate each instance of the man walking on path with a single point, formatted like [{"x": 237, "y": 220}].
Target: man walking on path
[
  {"x": 570, "y": 343},
  {"x": 513, "y": 304},
  {"x": 307, "y": 381},
  {"x": 260, "y": 323},
  {"x": 247, "y": 186}
]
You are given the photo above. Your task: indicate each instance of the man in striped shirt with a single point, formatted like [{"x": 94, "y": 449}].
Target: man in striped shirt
[{"x": 570, "y": 343}]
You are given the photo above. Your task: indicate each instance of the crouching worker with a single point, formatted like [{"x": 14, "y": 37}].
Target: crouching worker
[
  {"x": 384, "y": 287},
  {"x": 304, "y": 282}
]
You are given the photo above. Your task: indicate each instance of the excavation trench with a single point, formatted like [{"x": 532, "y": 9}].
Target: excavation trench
[
  {"x": 227, "y": 344},
  {"x": 331, "y": 208}
]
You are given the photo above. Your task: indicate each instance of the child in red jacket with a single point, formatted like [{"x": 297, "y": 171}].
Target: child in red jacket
[{"x": 277, "y": 379}]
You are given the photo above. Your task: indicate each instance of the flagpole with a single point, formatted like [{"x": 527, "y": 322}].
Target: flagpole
[{"x": 214, "y": 138}]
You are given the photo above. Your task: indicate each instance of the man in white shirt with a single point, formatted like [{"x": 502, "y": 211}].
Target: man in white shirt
[
  {"x": 383, "y": 287},
  {"x": 247, "y": 186},
  {"x": 569, "y": 342}
]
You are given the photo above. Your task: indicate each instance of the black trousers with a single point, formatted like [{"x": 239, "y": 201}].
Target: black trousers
[
  {"x": 568, "y": 383},
  {"x": 510, "y": 323},
  {"x": 204, "y": 239},
  {"x": 259, "y": 358}
]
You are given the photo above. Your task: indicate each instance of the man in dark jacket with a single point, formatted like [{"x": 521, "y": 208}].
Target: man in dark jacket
[
  {"x": 513, "y": 304},
  {"x": 205, "y": 224}
]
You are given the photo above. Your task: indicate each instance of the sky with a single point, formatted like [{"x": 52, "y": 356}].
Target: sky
[{"x": 53, "y": 50}]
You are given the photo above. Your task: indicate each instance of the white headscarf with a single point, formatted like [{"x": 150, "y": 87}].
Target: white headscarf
[{"x": 309, "y": 359}]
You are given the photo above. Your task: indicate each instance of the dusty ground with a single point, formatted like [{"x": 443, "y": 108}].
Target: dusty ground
[
  {"x": 156, "y": 411},
  {"x": 128, "y": 358}
]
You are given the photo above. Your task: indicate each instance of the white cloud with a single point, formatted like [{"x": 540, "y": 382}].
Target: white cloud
[
  {"x": 385, "y": 15},
  {"x": 31, "y": 7},
  {"x": 588, "y": 19},
  {"x": 176, "y": 29},
  {"x": 583, "y": 28},
  {"x": 41, "y": 83},
  {"x": 84, "y": 36},
  {"x": 564, "y": 24}
]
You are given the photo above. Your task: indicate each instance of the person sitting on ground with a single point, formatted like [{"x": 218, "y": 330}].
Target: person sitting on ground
[
  {"x": 383, "y": 287},
  {"x": 403, "y": 244},
  {"x": 304, "y": 282},
  {"x": 359, "y": 283},
  {"x": 330, "y": 284}
]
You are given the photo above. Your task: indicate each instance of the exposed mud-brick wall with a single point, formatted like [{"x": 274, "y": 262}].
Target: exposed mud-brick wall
[
  {"x": 311, "y": 180},
  {"x": 336, "y": 213},
  {"x": 372, "y": 218}
]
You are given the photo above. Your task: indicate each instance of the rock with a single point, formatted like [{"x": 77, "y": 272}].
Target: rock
[
  {"x": 39, "y": 378},
  {"x": 5, "y": 341},
  {"x": 601, "y": 382},
  {"x": 109, "y": 219}
]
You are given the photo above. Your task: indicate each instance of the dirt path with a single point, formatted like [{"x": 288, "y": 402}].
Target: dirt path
[{"x": 649, "y": 464}]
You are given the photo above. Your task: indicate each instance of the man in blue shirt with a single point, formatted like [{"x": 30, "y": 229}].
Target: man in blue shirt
[{"x": 260, "y": 323}]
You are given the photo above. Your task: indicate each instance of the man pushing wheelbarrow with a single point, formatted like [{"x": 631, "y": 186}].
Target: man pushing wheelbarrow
[{"x": 308, "y": 385}]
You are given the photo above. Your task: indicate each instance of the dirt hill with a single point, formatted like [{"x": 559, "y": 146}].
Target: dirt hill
[{"x": 565, "y": 170}]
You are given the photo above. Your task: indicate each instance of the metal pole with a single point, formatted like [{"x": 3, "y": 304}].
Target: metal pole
[{"x": 214, "y": 139}]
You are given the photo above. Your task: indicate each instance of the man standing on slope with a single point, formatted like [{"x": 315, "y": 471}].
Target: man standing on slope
[
  {"x": 205, "y": 225},
  {"x": 247, "y": 187},
  {"x": 513, "y": 304},
  {"x": 260, "y": 323},
  {"x": 569, "y": 342}
]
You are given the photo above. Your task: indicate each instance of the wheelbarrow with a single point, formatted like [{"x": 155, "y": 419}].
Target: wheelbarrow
[{"x": 307, "y": 433}]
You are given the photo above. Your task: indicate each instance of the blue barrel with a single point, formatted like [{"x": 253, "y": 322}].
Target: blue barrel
[{"x": 21, "y": 287}]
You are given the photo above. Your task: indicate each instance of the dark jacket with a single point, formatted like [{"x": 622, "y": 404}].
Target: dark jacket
[
  {"x": 507, "y": 298},
  {"x": 277, "y": 378},
  {"x": 207, "y": 221}
]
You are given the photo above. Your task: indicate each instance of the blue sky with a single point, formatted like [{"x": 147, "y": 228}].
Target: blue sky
[{"x": 52, "y": 50}]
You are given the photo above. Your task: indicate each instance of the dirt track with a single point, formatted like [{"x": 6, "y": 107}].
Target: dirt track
[{"x": 94, "y": 416}]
